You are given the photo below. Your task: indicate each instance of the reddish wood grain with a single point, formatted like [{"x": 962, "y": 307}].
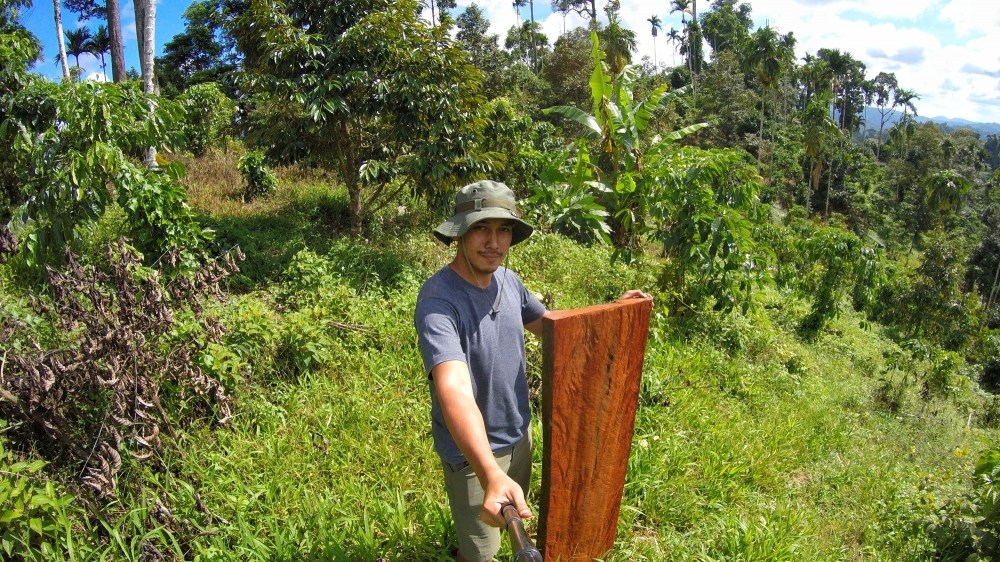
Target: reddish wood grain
[{"x": 592, "y": 365}]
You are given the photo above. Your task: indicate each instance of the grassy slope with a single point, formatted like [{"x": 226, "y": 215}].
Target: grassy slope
[{"x": 749, "y": 444}]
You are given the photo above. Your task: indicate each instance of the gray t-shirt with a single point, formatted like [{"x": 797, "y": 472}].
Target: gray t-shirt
[{"x": 454, "y": 321}]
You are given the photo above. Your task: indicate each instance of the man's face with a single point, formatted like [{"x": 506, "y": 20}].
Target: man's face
[{"x": 486, "y": 244}]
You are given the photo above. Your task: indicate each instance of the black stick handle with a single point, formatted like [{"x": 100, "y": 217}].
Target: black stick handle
[{"x": 524, "y": 549}]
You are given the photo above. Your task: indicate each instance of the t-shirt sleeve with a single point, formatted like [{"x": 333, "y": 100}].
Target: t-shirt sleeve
[
  {"x": 438, "y": 335},
  {"x": 531, "y": 308}
]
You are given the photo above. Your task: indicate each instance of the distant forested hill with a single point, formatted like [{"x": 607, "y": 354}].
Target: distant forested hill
[{"x": 948, "y": 123}]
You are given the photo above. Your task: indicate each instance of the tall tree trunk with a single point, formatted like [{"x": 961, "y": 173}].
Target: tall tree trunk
[
  {"x": 534, "y": 51},
  {"x": 145, "y": 18},
  {"x": 760, "y": 134},
  {"x": 62, "y": 43},
  {"x": 993, "y": 293},
  {"x": 697, "y": 52},
  {"x": 117, "y": 43},
  {"x": 829, "y": 186},
  {"x": 817, "y": 174}
]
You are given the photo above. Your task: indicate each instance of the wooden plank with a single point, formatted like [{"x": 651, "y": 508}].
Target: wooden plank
[{"x": 590, "y": 388}]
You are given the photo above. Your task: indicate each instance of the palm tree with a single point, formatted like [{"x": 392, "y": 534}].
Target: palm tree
[
  {"x": 534, "y": 45},
  {"x": 59, "y": 36},
  {"x": 100, "y": 45},
  {"x": 682, "y": 6},
  {"x": 904, "y": 98},
  {"x": 518, "y": 4},
  {"x": 693, "y": 36},
  {"x": 838, "y": 63},
  {"x": 819, "y": 128},
  {"x": 656, "y": 24},
  {"x": 674, "y": 37},
  {"x": 763, "y": 59},
  {"x": 78, "y": 43},
  {"x": 619, "y": 43},
  {"x": 944, "y": 191},
  {"x": 767, "y": 55}
]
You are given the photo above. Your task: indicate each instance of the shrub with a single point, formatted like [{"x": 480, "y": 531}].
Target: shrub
[
  {"x": 34, "y": 517},
  {"x": 105, "y": 393},
  {"x": 259, "y": 180},
  {"x": 78, "y": 141},
  {"x": 208, "y": 113},
  {"x": 968, "y": 527}
]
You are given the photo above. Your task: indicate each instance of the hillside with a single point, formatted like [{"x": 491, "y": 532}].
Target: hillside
[
  {"x": 872, "y": 118},
  {"x": 208, "y": 281}
]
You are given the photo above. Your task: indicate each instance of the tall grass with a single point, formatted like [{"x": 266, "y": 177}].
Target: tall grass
[{"x": 750, "y": 444}]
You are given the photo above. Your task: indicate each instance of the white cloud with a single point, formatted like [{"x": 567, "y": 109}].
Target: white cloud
[
  {"x": 887, "y": 35},
  {"x": 970, "y": 18},
  {"x": 894, "y": 36}
]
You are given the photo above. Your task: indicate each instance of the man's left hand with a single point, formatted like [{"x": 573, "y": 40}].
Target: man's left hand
[{"x": 635, "y": 294}]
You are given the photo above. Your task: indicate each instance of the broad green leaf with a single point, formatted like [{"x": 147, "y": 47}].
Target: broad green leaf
[{"x": 592, "y": 129}]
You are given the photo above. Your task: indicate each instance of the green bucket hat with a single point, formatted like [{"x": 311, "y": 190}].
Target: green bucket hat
[{"x": 479, "y": 201}]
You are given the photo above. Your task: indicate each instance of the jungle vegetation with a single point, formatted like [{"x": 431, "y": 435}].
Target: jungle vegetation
[{"x": 208, "y": 270}]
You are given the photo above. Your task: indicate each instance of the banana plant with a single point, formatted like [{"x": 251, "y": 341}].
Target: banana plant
[{"x": 617, "y": 126}]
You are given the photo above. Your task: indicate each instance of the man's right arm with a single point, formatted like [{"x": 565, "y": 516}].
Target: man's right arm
[{"x": 453, "y": 385}]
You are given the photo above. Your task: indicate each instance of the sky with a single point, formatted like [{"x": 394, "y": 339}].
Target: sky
[
  {"x": 945, "y": 50},
  {"x": 40, "y": 20}
]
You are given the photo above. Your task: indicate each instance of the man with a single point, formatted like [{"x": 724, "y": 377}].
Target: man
[{"x": 470, "y": 320}]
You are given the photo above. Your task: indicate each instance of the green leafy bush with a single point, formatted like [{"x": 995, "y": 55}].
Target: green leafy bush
[
  {"x": 305, "y": 342},
  {"x": 968, "y": 527},
  {"x": 705, "y": 212},
  {"x": 208, "y": 113},
  {"x": 566, "y": 200},
  {"x": 35, "y": 521},
  {"x": 928, "y": 301},
  {"x": 76, "y": 142},
  {"x": 830, "y": 258},
  {"x": 251, "y": 337},
  {"x": 259, "y": 180}
]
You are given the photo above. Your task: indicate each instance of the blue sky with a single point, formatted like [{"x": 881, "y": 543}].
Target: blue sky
[
  {"x": 39, "y": 19},
  {"x": 945, "y": 50}
]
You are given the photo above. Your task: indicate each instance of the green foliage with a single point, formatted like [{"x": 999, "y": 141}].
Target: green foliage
[
  {"x": 944, "y": 190},
  {"x": 208, "y": 115},
  {"x": 200, "y": 54},
  {"x": 726, "y": 100},
  {"x": 35, "y": 519},
  {"x": 928, "y": 302},
  {"x": 705, "y": 213},
  {"x": 569, "y": 68},
  {"x": 833, "y": 260},
  {"x": 566, "y": 199},
  {"x": 365, "y": 89},
  {"x": 258, "y": 178},
  {"x": 159, "y": 218},
  {"x": 518, "y": 144},
  {"x": 968, "y": 527},
  {"x": 551, "y": 266},
  {"x": 249, "y": 344},
  {"x": 72, "y": 145},
  {"x": 18, "y": 49},
  {"x": 619, "y": 183}
]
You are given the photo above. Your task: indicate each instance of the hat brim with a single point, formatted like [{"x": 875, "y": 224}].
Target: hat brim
[{"x": 459, "y": 224}]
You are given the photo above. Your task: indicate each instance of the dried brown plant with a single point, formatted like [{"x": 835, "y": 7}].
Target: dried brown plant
[
  {"x": 8, "y": 245},
  {"x": 100, "y": 397}
]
